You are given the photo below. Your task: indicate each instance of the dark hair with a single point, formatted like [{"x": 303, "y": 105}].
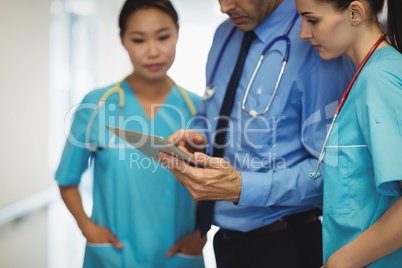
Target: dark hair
[
  {"x": 394, "y": 23},
  {"x": 394, "y": 18},
  {"x": 131, "y": 6}
]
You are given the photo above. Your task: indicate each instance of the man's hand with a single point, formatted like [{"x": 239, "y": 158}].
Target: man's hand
[
  {"x": 191, "y": 244},
  {"x": 219, "y": 181},
  {"x": 189, "y": 141}
]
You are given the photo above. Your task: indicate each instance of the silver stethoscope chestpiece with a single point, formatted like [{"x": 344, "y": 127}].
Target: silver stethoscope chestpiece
[
  {"x": 253, "y": 113},
  {"x": 209, "y": 92}
]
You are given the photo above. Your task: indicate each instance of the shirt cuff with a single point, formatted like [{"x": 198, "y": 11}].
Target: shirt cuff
[{"x": 255, "y": 189}]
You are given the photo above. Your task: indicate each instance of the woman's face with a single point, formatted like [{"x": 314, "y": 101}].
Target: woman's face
[
  {"x": 150, "y": 39},
  {"x": 328, "y": 29}
]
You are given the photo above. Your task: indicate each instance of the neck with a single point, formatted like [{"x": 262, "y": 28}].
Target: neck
[
  {"x": 363, "y": 42},
  {"x": 149, "y": 88}
]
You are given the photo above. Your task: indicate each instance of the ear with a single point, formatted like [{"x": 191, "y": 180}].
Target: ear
[{"x": 357, "y": 12}]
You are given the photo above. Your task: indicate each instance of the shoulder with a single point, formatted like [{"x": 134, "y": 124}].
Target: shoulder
[
  {"x": 196, "y": 99},
  {"x": 341, "y": 67},
  {"x": 317, "y": 74},
  {"x": 381, "y": 79},
  {"x": 223, "y": 31},
  {"x": 312, "y": 67},
  {"x": 95, "y": 95},
  {"x": 224, "y": 27},
  {"x": 385, "y": 64},
  {"x": 193, "y": 96}
]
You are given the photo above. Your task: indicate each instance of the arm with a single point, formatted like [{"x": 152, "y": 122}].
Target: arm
[
  {"x": 92, "y": 232},
  {"x": 381, "y": 239},
  {"x": 377, "y": 116},
  {"x": 220, "y": 181},
  {"x": 268, "y": 189}
]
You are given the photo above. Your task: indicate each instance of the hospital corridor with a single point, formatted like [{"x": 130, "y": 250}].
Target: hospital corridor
[{"x": 52, "y": 53}]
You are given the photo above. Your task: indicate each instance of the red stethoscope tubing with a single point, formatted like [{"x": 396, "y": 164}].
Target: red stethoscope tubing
[{"x": 345, "y": 95}]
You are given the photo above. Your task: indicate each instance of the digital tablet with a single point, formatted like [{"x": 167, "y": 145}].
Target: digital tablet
[{"x": 150, "y": 145}]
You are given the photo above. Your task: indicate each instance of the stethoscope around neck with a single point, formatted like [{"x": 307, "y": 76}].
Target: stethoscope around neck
[
  {"x": 314, "y": 175},
  {"x": 210, "y": 89},
  {"x": 117, "y": 89}
]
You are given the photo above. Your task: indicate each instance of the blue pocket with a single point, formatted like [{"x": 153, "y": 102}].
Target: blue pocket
[
  {"x": 102, "y": 256},
  {"x": 185, "y": 261},
  {"x": 336, "y": 183}
]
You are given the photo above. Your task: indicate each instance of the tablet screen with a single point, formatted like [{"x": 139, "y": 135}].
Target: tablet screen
[{"x": 150, "y": 145}]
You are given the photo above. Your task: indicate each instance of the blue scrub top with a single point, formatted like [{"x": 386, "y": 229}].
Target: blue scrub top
[
  {"x": 363, "y": 155},
  {"x": 140, "y": 202}
]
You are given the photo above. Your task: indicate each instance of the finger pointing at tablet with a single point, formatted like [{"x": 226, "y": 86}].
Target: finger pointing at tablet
[{"x": 220, "y": 181}]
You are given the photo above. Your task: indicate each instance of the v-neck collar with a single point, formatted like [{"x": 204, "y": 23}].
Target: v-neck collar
[{"x": 130, "y": 97}]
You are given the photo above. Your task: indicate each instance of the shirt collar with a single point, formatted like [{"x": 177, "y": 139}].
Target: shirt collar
[{"x": 275, "y": 20}]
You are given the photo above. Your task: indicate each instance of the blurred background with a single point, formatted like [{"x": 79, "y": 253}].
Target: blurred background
[{"x": 52, "y": 52}]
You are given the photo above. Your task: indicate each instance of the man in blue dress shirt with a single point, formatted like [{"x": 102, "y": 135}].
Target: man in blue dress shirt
[{"x": 267, "y": 205}]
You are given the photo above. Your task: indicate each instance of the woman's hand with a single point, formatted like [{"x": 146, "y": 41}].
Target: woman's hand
[
  {"x": 191, "y": 244},
  {"x": 92, "y": 232},
  {"x": 97, "y": 234},
  {"x": 379, "y": 240}
]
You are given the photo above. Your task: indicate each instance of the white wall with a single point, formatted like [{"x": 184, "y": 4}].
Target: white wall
[
  {"x": 24, "y": 71},
  {"x": 23, "y": 243},
  {"x": 198, "y": 21},
  {"x": 24, "y": 76}
]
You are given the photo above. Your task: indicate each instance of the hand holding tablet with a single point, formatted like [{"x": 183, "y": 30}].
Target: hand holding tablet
[{"x": 150, "y": 145}]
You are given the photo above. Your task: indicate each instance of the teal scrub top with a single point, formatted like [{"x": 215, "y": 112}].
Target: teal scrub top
[
  {"x": 363, "y": 155},
  {"x": 139, "y": 201}
]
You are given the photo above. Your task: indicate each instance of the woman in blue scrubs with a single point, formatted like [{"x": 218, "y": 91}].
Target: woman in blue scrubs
[
  {"x": 142, "y": 217},
  {"x": 362, "y": 216}
]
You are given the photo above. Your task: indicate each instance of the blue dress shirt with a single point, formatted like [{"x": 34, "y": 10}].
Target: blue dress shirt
[{"x": 275, "y": 152}]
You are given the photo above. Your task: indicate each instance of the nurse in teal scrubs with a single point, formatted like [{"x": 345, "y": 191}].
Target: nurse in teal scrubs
[
  {"x": 362, "y": 216},
  {"x": 142, "y": 217}
]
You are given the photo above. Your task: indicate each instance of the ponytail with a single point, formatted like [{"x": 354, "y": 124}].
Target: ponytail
[{"x": 394, "y": 23}]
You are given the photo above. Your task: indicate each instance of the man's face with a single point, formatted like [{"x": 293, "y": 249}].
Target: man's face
[{"x": 248, "y": 14}]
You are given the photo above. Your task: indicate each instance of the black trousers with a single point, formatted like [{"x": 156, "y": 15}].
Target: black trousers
[{"x": 297, "y": 247}]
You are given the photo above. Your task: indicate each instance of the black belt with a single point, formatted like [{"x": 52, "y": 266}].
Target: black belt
[{"x": 283, "y": 223}]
